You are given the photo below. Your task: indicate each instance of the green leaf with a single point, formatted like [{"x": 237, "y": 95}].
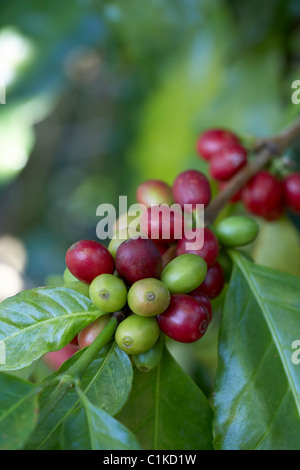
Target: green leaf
[
  {"x": 107, "y": 383},
  {"x": 257, "y": 399},
  {"x": 18, "y": 412},
  {"x": 90, "y": 428},
  {"x": 37, "y": 321},
  {"x": 167, "y": 411}
]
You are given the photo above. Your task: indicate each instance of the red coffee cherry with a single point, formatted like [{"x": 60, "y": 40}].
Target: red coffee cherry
[
  {"x": 154, "y": 192},
  {"x": 213, "y": 140},
  {"x": 210, "y": 250},
  {"x": 90, "y": 332},
  {"x": 214, "y": 282},
  {"x": 264, "y": 196},
  {"x": 74, "y": 341},
  {"x": 292, "y": 192},
  {"x": 185, "y": 320},
  {"x": 227, "y": 162},
  {"x": 191, "y": 187},
  {"x": 162, "y": 224},
  {"x": 204, "y": 300},
  {"x": 88, "y": 259},
  {"x": 138, "y": 258}
]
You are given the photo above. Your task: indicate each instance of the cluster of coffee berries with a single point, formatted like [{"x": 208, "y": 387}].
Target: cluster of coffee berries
[
  {"x": 265, "y": 195},
  {"x": 164, "y": 278}
]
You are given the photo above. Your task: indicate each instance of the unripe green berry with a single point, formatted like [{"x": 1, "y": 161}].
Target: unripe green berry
[
  {"x": 148, "y": 297},
  {"x": 237, "y": 231},
  {"x": 108, "y": 293},
  {"x": 117, "y": 240},
  {"x": 68, "y": 276},
  {"x": 148, "y": 360},
  {"x": 184, "y": 273},
  {"x": 136, "y": 334},
  {"x": 78, "y": 286}
]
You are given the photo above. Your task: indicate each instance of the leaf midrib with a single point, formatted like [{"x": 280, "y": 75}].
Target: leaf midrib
[
  {"x": 112, "y": 349},
  {"x": 12, "y": 408},
  {"x": 49, "y": 320}
]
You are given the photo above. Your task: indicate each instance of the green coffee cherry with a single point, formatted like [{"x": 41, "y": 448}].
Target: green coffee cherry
[
  {"x": 237, "y": 231},
  {"x": 136, "y": 334},
  {"x": 108, "y": 293},
  {"x": 184, "y": 273},
  {"x": 117, "y": 240},
  {"x": 79, "y": 286},
  {"x": 148, "y": 297},
  {"x": 68, "y": 276},
  {"x": 148, "y": 360}
]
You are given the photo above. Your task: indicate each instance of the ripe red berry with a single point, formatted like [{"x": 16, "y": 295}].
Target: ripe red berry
[
  {"x": 191, "y": 187},
  {"x": 204, "y": 300},
  {"x": 185, "y": 320},
  {"x": 88, "y": 259},
  {"x": 138, "y": 258},
  {"x": 154, "y": 192},
  {"x": 162, "y": 223},
  {"x": 227, "y": 162},
  {"x": 292, "y": 192},
  {"x": 214, "y": 281},
  {"x": 211, "y": 141},
  {"x": 210, "y": 250},
  {"x": 264, "y": 195}
]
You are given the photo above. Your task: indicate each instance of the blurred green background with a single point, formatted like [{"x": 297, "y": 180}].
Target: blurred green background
[{"x": 101, "y": 95}]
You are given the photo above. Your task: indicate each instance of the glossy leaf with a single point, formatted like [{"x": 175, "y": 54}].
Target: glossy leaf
[
  {"x": 258, "y": 386},
  {"x": 107, "y": 384},
  {"x": 167, "y": 411},
  {"x": 91, "y": 428},
  {"x": 37, "y": 321},
  {"x": 18, "y": 412}
]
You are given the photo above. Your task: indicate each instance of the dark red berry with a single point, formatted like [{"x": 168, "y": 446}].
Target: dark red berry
[
  {"x": 204, "y": 300},
  {"x": 74, "y": 341},
  {"x": 275, "y": 214},
  {"x": 191, "y": 187},
  {"x": 237, "y": 197},
  {"x": 154, "y": 192},
  {"x": 227, "y": 162},
  {"x": 211, "y": 141},
  {"x": 162, "y": 248},
  {"x": 138, "y": 258},
  {"x": 162, "y": 224},
  {"x": 292, "y": 192},
  {"x": 214, "y": 281},
  {"x": 210, "y": 250},
  {"x": 264, "y": 195},
  {"x": 88, "y": 259},
  {"x": 185, "y": 320}
]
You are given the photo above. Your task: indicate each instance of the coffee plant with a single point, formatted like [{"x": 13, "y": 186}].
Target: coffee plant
[{"x": 121, "y": 307}]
